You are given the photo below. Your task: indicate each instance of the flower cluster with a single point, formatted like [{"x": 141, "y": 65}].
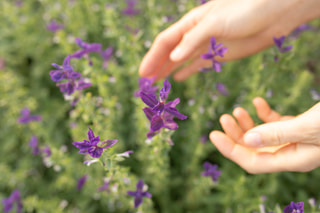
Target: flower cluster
[
  {"x": 160, "y": 113},
  {"x": 8, "y": 202},
  {"x": 130, "y": 10},
  {"x": 91, "y": 146},
  {"x": 26, "y": 117},
  {"x": 211, "y": 170},
  {"x": 294, "y": 208},
  {"x": 214, "y": 51}
]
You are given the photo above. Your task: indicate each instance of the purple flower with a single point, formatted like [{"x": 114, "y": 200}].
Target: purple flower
[
  {"x": 34, "y": 145},
  {"x": 125, "y": 154},
  {"x": 203, "y": 1},
  {"x": 91, "y": 147},
  {"x": 8, "y": 202},
  {"x": 64, "y": 71},
  {"x": 70, "y": 86},
  {"x": 81, "y": 182},
  {"x": 294, "y": 207},
  {"x": 139, "y": 194},
  {"x": 159, "y": 113},
  {"x": 53, "y": 26},
  {"x": 215, "y": 50},
  {"x": 300, "y": 29},
  {"x": 145, "y": 85},
  {"x": 222, "y": 89},
  {"x": 105, "y": 186},
  {"x": 211, "y": 170},
  {"x": 26, "y": 117},
  {"x": 279, "y": 44},
  {"x": 130, "y": 10},
  {"x": 106, "y": 55},
  {"x": 46, "y": 151},
  {"x": 86, "y": 48}
]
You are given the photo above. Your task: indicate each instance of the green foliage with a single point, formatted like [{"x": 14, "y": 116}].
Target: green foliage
[{"x": 172, "y": 173}]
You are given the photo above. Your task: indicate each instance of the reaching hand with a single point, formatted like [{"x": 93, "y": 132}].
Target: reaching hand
[
  {"x": 283, "y": 143},
  {"x": 244, "y": 26}
]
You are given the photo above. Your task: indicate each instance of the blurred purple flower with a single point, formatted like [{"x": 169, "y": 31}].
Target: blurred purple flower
[
  {"x": 139, "y": 194},
  {"x": 86, "y": 48},
  {"x": 64, "y": 71},
  {"x": 130, "y": 10},
  {"x": 81, "y": 182},
  {"x": 91, "y": 147},
  {"x": 203, "y": 1},
  {"x": 19, "y": 3},
  {"x": 46, "y": 151},
  {"x": 300, "y": 29},
  {"x": 294, "y": 208},
  {"x": 8, "y": 202},
  {"x": 53, "y": 26},
  {"x": 26, "y": 117},
  {"x": 145, "y": 85},
  {"x": 204, "y": 138},
  {"x": 211, "y": 170},
  {"x": 279, "y": 44},
  {"x": 33, "y": 143},
  {"x": 2, "y": 63},
  {"x": 222, "y": 89},
  {"x": 105, "y": 186},
  {"x": 106, "y": 55},
  {"x": 159, "y": 113},
  {"x": 215, "y": 50},
  {"x": 70, "y": 86}
]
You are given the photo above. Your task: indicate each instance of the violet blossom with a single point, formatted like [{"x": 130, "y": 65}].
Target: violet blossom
[
  {"x": 81, "y": 181},
  {"x": 86, "y": 48},
  {"x": 64, "y": 71},
  {"x": 211, "y": 170},
  {"x": 8, "y": 202},
  {"x": 26, "y": 117},
  {"x": 300, "y": 29},
  {"x": 222, "y": 89},
  {"x": 46, "y": 151},
  {"x": 53, "y": 26},
  {"x": 125, "y": 154},
  {"x": 91, "y": 147},
  {"x": 159, "y": 113},
  {"x": 130, "y": 10},
  {"x": 214, "y": 51},
  {"x": 34, "y": 145},
  {"x": 106, "y": 55},
  {"x": 105, "y": 186},
  {"x": 145, "y": 85},
  {"x": 139, "y": 194},
  {"x": 70, "y": 86},
  {"x": 294, "y": 208},
  {"x": 279, "y": 44}
]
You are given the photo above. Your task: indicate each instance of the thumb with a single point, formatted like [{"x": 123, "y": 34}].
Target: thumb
[{"x": 278, "y": 133}]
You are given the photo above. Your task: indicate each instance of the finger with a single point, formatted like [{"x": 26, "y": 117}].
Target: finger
[
  {"x": 167, "y": 40},
  {"x": 190, "y": 69},
  {"x": 244, "y": 119},
  {"x": 231, "y": 128},
  {"x": 280, "y": 132},
  {"x": 303, "y": 157},
  {"x": 265, "y": 113}
]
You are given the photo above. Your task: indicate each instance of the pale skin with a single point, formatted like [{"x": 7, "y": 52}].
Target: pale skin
[{"x": 287, "y": 143}]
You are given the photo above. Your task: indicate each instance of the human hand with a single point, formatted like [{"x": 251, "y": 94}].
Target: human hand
[
  {"x": 287, "y": 143},
  {"x": 244, "y": 26}
]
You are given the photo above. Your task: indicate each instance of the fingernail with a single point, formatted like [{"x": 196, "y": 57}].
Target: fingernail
[
  {"x": 253, "y": 139},
  {"x": 176, "y": 54}
]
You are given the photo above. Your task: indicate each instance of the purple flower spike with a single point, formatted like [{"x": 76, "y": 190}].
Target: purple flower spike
[
  {"x": 214, "y": 51},
  {"x": 145, "y": 85},
  {"x": 26, "y": 117},
  {"x": 139, "y": 194},
  {"x": 130, "y": 10},
  {"x": 211, "y": 170},
  {"x": 91, "y": 147},
  {"x": 294, "y": 208},
  {"x": 34, "y": 145},
  {"x": 81, "y": 182},
  {"x": 53, "y": 26},
  {"x": 279, "y": 42},
  {"x": 8, "y": 202},
  {"x": 64, "y": 71},
  {"x": 159, "y": 113}
]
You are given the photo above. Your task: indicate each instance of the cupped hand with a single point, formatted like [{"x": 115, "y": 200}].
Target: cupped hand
[
  {"x": 283, "y": 143},
  {"x": 243, "y": 26}
]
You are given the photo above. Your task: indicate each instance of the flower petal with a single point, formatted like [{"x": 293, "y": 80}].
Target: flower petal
[
  {"x": 148, "y": 112},
  {"x": 175, "y": 112},
  {"x": 156, "y": 123},
  {"x": 149, "y": 99},
  {"x": 108, "y": 143},
  {"x": 164, "y": 91}
]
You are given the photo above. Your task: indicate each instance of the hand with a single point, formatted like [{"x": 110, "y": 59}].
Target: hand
[
  {"x": 286, "y": 143},
  {"x": 244, "y": 26}
]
